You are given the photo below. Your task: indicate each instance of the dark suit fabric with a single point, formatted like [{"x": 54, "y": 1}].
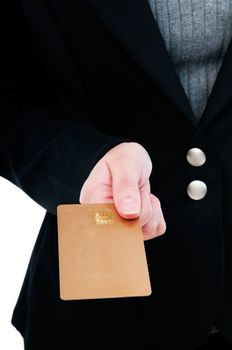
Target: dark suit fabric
[{"x": 77, "y": 78}]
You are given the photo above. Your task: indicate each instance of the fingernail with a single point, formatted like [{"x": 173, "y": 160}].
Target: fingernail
[{"x": 129, "y": 206}]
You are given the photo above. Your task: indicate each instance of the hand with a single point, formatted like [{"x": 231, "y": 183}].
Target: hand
[{"x": 121, "y": 177}]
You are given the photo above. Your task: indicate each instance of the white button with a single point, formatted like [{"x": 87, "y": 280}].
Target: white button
[
  {"x": 196, "y": 156},
  {"x": 197, "y": 189}
]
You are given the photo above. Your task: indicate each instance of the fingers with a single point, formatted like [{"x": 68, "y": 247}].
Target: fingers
[
  {"x": 146, "y": 207},
  {"x": 126, "y": 193},
  {"x": 118, "y": 177},
  {"x": 97, "y": 187},
  {"x": 93, "y": 195},
  {"x": 122, "y": 178},
  {"x": 155, "y": 225}
]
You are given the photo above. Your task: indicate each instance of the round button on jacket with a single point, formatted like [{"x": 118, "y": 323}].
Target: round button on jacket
[
  {"x": 196, "y": 156},
  {"x": 197, "y": 189}
]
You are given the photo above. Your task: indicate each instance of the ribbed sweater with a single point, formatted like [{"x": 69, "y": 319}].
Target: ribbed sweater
[{"x": 196, "y": 35}]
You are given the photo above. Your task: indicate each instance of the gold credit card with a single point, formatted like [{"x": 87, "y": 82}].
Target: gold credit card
[{"x": 101, "y": 254}]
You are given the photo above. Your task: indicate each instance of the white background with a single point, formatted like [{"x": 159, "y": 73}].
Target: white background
[{"x": 20, "y": 221}]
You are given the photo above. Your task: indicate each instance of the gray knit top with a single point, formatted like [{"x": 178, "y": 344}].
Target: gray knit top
[{"x": 196, "y": 34}]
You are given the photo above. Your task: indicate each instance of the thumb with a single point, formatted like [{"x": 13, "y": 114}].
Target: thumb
[{"x": 126, "y": 193}]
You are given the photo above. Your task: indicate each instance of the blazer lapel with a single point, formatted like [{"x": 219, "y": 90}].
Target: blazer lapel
[
  {"x": 134, "y": 26},
  {"x": 221, "y": 93}
]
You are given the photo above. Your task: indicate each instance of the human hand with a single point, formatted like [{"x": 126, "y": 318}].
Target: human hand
[{"x": 121, "y": 177}]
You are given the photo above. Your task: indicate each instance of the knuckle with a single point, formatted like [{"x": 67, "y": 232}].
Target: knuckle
[
  {"x": 161, "y": 229},
  {"x": 149, "y": 234},
  {"x": 156, "y": 201},
  {"x": 154, "y": 230},
  {"x": 146, "y": 235},
  {"x": 150, "y": 229}
]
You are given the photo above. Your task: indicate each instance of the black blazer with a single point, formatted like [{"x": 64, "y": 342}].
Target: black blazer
[{"x": 77, "y": 78}]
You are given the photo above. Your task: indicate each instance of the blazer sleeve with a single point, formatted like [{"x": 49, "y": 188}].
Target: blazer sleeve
[{"x": 42, "y": 152}]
